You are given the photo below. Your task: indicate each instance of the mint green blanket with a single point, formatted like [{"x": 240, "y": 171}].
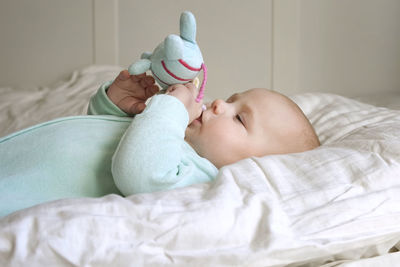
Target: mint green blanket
[
  {"x": 34, "y": 171},
  {"x": 96, "y": 155}
]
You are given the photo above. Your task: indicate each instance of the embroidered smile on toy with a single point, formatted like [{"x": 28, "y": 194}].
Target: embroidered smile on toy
[{"x": 177, "y": 59}]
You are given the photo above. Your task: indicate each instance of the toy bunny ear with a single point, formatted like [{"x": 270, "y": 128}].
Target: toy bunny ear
[
  {"x": 173, "y": 45},
  {"x": 188, "y": 27}
]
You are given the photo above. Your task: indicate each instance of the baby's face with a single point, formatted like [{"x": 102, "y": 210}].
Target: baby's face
[{"x": 256, "y": 122}]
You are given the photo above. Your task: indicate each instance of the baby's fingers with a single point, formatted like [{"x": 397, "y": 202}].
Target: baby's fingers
[
  {"x": 123, "y": 75},
  {"x": 138, "y": 78},
  {"x": 147, "y": 81},
  {"x": 131, "y": 105},
  {"x": 137, "y": 108},
  {"x": 151, "y": 90}
]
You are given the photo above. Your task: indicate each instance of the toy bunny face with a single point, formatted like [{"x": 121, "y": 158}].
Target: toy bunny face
[{"x": 177, "y": 59}]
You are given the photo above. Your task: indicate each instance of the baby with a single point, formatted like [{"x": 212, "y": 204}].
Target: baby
[
  {"x": 170, "y": 143},
  {"x": 175, "y": 141}
]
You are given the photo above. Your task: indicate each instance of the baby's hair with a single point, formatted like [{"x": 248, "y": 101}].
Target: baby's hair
[
  {"x": 307, "y": 139},
  {"x": 310, "y": 138},
  {"x": 308, "y": 135}
]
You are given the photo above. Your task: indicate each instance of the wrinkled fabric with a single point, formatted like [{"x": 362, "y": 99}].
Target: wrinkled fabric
[
  {"x": 21, "y": 108},
  {"x": 336, "y": 205}
]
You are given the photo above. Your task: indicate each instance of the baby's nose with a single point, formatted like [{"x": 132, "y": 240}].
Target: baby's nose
[{"x": 217, "y": 106}]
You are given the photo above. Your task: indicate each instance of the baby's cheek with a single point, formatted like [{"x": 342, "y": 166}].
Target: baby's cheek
[
  {"x": 214, "y": 137},
  {"x": 222, "y": 140}
]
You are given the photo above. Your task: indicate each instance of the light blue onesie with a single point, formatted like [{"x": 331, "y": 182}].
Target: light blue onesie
[{"x": 73, "y": 156}]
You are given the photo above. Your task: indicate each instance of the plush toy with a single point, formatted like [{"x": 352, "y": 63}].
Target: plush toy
[{"x": 177, "y": 59}]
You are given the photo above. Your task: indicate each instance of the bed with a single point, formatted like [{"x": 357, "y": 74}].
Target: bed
[{"x": 337, "y": 205}]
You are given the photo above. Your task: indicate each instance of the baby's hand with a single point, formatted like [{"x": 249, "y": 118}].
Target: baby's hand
[
  {"x": 130, "y": 92},
  {"x": 187, "y": 93}
]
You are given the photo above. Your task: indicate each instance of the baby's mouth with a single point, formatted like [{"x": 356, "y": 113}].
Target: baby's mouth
[{"x": 200, "y": 118}]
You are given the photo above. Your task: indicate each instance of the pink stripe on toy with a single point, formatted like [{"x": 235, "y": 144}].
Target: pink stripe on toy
[
  {"x": 173, "y": 75},
  {"x": 188, "y": 66},
  {"x": 203, "y": 83},
  {"x": 161, "y": 80}
]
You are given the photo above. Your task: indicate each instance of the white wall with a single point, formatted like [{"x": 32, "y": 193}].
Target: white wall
[
  {"x": 42, "y": 41},
  {"x": 348, "y": 47}
]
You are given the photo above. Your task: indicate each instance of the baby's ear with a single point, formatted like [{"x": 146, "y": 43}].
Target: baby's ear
[
  {"x": 173, "y": 46},
  {"x": 188, "y": 27}
]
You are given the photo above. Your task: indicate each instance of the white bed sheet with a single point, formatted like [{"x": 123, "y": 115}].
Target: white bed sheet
[
  {"x": 386, "y": 260},
  {"x": 21, "y": 108},
  {"x": 338, "y": 205}
]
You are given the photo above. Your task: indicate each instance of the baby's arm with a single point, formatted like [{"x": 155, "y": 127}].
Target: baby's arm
[
  {"x": 153, "y": 155},
  {"x": 125, "y": 96}
]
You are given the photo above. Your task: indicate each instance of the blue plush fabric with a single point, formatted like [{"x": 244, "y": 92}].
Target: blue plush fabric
[
  {"x": 72, "y": 156},
  {"x": 177, "y": 59},
  {"x": 67, "y": 157},
  {"x": 153, "y": 155}
]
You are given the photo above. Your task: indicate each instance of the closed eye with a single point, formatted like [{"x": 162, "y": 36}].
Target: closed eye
[{"x": 239, "y": 119}]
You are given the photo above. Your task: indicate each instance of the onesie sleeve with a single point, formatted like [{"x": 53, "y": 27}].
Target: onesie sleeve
[
  {"x": 152, "y": 155},
  {"x": 100, "y": 104}
]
